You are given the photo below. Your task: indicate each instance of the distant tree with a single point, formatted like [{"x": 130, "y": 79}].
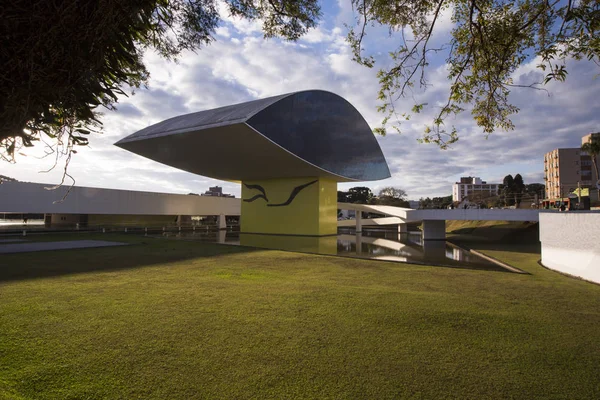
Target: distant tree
[
  {"x": 391, "y": 196},
  {"x": 388, "y": 201},
  {"x": 393, "y": 192},
  {"x": 441, "y": 202},
  {"x": 496, "y": 202},
  {"x": 507, "y": 187},
  {"x": 483, "y": 199},
  {"x": 518, "y": 188},
  {"x": 360, "y": 195},
  {"x": 425, "y": 202},
  {"x": 343, "y": 197},
  {"x": 593, "y": 149},
  {"x": 535, "y": 190}
]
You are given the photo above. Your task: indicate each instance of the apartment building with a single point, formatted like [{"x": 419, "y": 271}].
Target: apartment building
[
  {"x": 566, "y": 169},
  {"x": 472, "y": 188}
]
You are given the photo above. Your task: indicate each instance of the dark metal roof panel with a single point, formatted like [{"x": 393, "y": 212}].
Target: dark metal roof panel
[
  {"x": 321, "y": 129},
  {"x": 233, "y": 114},
  {"x": 325, "y": 130}
]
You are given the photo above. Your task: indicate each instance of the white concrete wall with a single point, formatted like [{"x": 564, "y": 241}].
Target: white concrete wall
[
  {"x": 22, "y": 197},
  {"x": 64, "y": 219},
  {"x": 571, "y": 243},
  {"x": 484, "y": 214},
  {"x": 409, "y": 215}
]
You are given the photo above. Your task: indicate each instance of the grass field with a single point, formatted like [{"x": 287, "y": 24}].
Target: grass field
[{"x": 163, "y": 319}]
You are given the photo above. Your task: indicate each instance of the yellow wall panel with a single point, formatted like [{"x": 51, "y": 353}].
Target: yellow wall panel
[
  {"x": 292, "y": 206},
  {"x": 302, "y": 244}
]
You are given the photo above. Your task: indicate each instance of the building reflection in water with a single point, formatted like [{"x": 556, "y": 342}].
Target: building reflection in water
[{"x": 385, "y": 245}]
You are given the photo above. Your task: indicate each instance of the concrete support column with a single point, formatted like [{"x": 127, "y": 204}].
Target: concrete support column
[
  {"x": 435, "y": 249},
  {"x": 358, "y": 244},
  {"x": 221, "y": 222},
  {"x": 358, "y": 221},
  {"x": 434, "y": 229},
  {"x": 402, "y": 228}
]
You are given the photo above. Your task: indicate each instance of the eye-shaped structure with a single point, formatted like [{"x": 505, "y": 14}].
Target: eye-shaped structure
[{"x": 312, "y": 133}]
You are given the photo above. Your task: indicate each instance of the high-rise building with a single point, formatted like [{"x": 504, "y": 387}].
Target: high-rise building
[
  {"x": 567, "y": 169},
  {"x": 472, "y": 187}
]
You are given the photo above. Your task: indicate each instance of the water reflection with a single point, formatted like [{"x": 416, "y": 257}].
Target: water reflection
[
  {"x": 407, "y": 247},
  {"x": 376, "y": 245}
]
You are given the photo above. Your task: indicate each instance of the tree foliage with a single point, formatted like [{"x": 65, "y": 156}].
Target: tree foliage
[
  {"x": 342, "y": 197},
  {"x": 489, "y": 41},
  {"x": 392, "y": 196},
  {"x": 436, "y": 202},
  {"x": 507, "y": 190},
  {"x": 392, "y": 192},
  {"x": 518, "y": 188},
  {"x": 360, "y": 195},
  {"x": 357, "y": 195},
  {"x": 535, "y": 189},
  {"x": 64, "y": 60},
  {"x": 513, "y": 189}
]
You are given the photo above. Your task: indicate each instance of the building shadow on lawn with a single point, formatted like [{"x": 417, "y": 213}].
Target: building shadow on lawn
[{"x": 144, "y": 252}]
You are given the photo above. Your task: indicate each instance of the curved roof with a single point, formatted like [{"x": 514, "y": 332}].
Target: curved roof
[{"x": 308, "y": 133}]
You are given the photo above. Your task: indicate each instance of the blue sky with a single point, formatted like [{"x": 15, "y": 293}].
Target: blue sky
[{"x": 240, "y": 66}]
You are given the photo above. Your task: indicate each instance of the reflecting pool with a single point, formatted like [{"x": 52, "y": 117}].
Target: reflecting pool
[{"x": 383, "y": 245}]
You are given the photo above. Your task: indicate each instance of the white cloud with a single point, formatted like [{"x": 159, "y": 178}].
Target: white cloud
[
  {"x": 316, "y": 35},
  {"x": 223, "y": 31}
]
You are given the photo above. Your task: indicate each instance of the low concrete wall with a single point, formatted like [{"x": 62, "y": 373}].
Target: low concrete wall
[
  {"x": 485, "y": 214},
  {"x": 571, "y": 243},
  {"x": 23, "y": 197},
  {"x": 409, "y": 215}
]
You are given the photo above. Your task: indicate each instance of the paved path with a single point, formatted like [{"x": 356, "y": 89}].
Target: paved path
[{"x": 65, "y": 245}]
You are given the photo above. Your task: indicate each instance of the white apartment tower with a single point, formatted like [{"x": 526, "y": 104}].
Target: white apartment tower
[{"x": 473, "y": 188}]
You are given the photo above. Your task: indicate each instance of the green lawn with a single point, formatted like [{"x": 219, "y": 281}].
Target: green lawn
[{"x": 164, "y": 319}]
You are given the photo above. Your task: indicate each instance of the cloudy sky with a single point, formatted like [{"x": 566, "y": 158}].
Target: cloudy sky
[{"x": 241, "y": 66}]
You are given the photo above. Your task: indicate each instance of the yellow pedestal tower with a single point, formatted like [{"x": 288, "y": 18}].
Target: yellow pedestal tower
[{"x": 293, "y": 206}]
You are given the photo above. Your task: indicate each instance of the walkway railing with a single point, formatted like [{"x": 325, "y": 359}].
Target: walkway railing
[{"x": 146, "y": 229}]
